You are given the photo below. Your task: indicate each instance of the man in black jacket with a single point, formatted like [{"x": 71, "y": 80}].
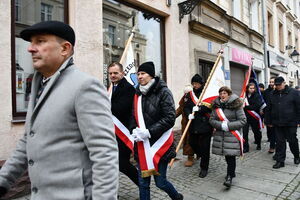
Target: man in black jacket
[
  {"x": 253, "y": 118},
  {"x": 283, "y": 112},
  {"x": 200, "y": 129},
  {"x": 121, "y": 107}
]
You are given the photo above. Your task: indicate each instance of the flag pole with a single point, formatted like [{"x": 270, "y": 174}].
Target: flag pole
[{"x": 199, "y": 100}]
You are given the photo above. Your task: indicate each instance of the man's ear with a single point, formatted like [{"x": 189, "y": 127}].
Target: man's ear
[{"x": 66, "y": 48}]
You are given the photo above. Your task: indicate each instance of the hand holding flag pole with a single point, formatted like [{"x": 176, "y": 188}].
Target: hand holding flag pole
[{"x": 199, "y": 101}]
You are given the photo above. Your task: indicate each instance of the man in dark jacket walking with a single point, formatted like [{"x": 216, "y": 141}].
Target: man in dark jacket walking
[
  {"x": 253, "y": 118},
  {"x": 200, "y": 129},
  {"x": 121, "y": 107},
  {"x": 283, "y": 112}
]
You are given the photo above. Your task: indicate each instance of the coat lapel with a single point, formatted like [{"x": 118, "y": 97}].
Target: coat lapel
[{"x": 48, "y": 87}]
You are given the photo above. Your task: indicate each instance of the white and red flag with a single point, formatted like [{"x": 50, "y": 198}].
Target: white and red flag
[{"x": 217, "y": 80}]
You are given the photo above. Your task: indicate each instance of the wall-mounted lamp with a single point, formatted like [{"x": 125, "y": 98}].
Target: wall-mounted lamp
[{"x": 295, "y": 55}]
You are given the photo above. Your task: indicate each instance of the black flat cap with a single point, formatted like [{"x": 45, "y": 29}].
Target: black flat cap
[
  {"x": 278, "y": 80},
  {"x": 57, "y": 28}
]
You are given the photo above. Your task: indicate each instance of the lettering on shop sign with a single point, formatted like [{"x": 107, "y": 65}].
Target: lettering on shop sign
[{"x": 241, "y": 57}]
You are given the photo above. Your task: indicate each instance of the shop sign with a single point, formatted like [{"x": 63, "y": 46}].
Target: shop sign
[
  {"x": 241, "y": 57},
  {"x": 277, "y": 62}
]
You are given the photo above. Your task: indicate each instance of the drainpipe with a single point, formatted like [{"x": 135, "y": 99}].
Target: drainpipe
[{"x": 264, "y": 16}]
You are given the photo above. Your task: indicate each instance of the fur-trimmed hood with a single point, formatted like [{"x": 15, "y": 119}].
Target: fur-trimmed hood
[{"x": 233, "y": 102}]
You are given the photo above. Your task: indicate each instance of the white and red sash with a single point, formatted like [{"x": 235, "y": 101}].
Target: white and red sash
[
  {"x": 149, "y": 156},
  {"x": 123, "y": 133},
  {"x": 255, "y": 115},
  {"x": 236, "y": 133},
  {"x": 120, "y": 130},
  {"x": 195, "y": 100}
]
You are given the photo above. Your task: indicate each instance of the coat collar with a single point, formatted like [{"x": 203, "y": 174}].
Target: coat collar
[{"x": 36, "y": 83}]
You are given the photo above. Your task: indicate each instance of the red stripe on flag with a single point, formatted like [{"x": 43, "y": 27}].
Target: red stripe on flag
[{"x": 210, "y": 99}]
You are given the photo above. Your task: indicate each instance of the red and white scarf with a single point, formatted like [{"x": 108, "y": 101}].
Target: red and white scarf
[
  {"x": 120, "y": 130},
  {"x": 149, "y": 156},
  {"x": 236, "y": 133},
  {"x": 255, "y": 115}
]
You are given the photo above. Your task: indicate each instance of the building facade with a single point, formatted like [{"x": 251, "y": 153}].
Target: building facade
[
  {"x": 180, "y": 44},
  {"x": 102, "y": 29},
  {"x": 283, "y": 27}
]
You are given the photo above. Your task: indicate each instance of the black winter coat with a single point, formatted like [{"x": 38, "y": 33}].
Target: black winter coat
[
  {"x": 121, "y": 106},
  {"x": 200, "y": 124},
  {"x": 267, "y": 94},
  {"x": 255, "y": 103},
  {"x": 159, "y": 113},
  {"x": 283, "y": 108}
]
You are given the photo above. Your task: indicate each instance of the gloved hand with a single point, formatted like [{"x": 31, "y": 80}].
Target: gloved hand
[
  {"x": 191, "y": 117},
  {"x": 139, "y": 134},
  {"x": 225, "y": 126},
  {"x": 3, "y": 191},
  {"x": 195, "y": 108}
]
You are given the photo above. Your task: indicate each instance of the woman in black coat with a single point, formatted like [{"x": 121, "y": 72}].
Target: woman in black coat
[{"x": 154, "y": 103}]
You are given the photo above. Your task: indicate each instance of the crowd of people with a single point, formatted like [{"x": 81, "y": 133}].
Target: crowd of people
[{"x": 78, "y": 136}]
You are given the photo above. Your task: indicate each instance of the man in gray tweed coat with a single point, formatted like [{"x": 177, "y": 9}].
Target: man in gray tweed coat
[{"x": 69, "y": 145}]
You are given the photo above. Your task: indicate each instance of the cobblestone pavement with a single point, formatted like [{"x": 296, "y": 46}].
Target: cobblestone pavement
[{"x": 255, "y": 180}]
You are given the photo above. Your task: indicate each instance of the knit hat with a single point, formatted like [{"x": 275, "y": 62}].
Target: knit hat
[
  {"x": 147, "y": 67},
  {"x": 197, "y": 79}
]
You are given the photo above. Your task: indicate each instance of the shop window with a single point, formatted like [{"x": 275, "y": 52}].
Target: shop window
[
  {"x": 147, "y": 43},
  {"x": 22, "y": 70}
]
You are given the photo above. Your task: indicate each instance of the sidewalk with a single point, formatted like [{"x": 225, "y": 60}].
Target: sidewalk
[{"x": 256, "y": 179}]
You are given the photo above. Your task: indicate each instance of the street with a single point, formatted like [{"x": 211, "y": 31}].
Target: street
[{"x": 255, "y": 180}]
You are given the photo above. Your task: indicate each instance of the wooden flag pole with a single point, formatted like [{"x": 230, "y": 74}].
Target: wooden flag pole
[{"x": 199, "y": 100}]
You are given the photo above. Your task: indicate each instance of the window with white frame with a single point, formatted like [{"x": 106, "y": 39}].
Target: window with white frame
[
  {"x": 254, "y": 15},
  {"x": 46, "y": 12},
  {"x": 236, "y": 9}
]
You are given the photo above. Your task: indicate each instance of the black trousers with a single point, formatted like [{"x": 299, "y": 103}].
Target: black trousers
[
  {"x": 271, "y": 137},
  {"x": 124, "y": 163},
  {"x": 200, "y": 144},
  {"x": 256, "y": 130},
  {"x": 283, "y": 134},
  {"x": 231, "y": 165}
]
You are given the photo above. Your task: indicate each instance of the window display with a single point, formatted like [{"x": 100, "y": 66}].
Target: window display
[{"x": 28, "y": 13}]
